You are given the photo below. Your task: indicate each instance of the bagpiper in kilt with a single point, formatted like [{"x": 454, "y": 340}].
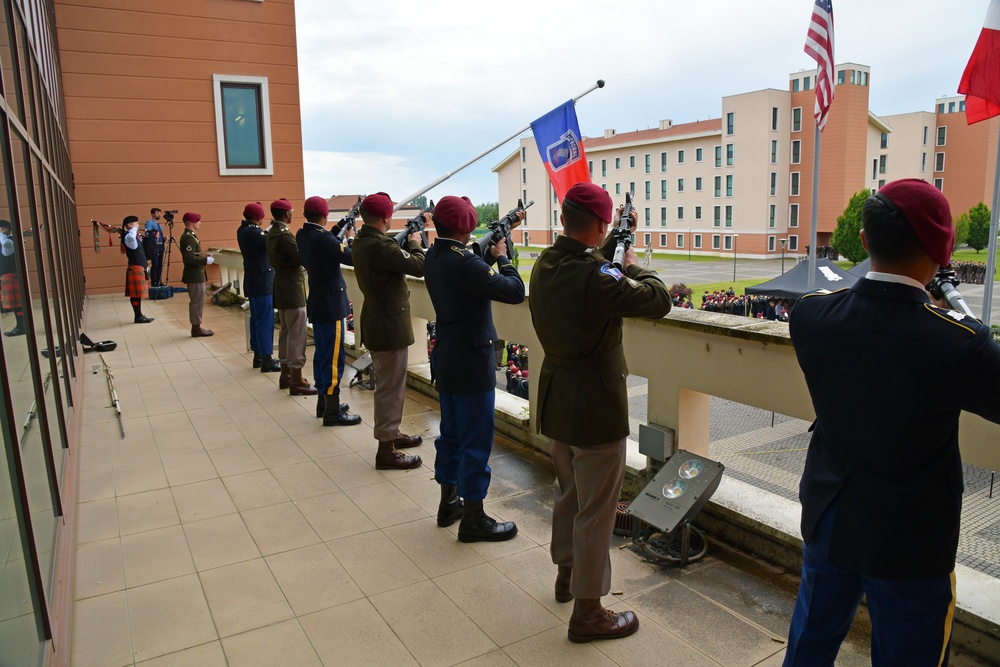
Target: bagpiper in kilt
[
  {"x": 136, "y": 285},
  {"x": 10, "y": 287}
]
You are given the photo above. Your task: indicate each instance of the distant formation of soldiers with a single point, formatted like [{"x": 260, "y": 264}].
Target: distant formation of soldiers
[
  {"x": 973, "y": 273},
  {"x": 756, "y": 306}
]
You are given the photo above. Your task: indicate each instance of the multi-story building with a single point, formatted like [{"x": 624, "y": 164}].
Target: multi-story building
[{"x": 743, "y": 182}]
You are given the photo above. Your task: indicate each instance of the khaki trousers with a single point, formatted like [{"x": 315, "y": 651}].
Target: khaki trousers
[
  {"x": 196, "y": 292},
  {"x": 292, "y": 337},
  {"x": 390, "y": 391},
  {"x": 588, "y": 485}
]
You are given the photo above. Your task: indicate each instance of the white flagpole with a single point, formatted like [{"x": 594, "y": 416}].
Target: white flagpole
[
  {"x": 406, "y": 200},
  {"x": 811, "y": 283},
  {"x": 991, "y": 260}
]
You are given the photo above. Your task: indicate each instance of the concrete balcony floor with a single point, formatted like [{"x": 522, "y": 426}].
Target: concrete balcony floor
[{"x": 229, "y": 527}]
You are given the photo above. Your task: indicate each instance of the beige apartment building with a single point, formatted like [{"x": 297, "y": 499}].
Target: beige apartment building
[{"x": 743, "y": 182}]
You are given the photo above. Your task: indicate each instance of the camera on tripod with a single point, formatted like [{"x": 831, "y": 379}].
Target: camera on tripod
[{"x": 169, "y": 217}]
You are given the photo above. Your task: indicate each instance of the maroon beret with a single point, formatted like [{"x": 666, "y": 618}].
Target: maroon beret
[
  {"x": 928, "y": 212},
  {"x": 591, "y": 198},
  {"x": 191, "y": 217},
  {"x": 281, "y": 205},
  {"x": 253, "y": 211},
  {"x": 317, "y": 206},
  {"x": 378, "y": 205},
  {"x": 456, "y": 213}
]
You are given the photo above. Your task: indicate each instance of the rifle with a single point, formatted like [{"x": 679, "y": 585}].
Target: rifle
[
  {"x": 347, "y": 222},
  {"x": 415, "y": 224},
  {"x": 623, "y": 232},
  {"x": 499, "y": 230}
]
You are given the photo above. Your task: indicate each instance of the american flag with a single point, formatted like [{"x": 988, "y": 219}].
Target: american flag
[{"x": 819, "y": 46}]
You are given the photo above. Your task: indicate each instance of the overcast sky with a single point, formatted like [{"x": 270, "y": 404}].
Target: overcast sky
[{"x": 396, "y": 93}]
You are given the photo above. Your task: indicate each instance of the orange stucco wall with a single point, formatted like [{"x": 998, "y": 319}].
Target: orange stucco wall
[
  {"x": 970, "y": 158},
  {"x": 140, "y": 110}
]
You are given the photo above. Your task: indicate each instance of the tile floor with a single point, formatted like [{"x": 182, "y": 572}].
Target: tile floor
[{"x": 229, "y": 527}]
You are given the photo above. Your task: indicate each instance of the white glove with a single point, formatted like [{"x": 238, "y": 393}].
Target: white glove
[{"x": 210, "y": 260}]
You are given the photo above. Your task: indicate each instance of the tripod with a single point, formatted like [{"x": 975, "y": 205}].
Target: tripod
[{"x": 166, "y": 255}]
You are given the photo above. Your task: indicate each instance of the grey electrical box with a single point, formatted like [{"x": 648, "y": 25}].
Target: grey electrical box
[{"x": 657, "y": 442}]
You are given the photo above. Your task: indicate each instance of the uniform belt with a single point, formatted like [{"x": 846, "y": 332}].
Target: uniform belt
[{"x": 592, "y": 362}]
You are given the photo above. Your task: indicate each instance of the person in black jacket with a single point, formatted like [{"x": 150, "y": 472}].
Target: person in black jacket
[
  {"x": 461, "y": 286},
  {"x": 258, "y": 286},
  {"x": 882, "y": 487},
  {"x": 136, "y": 283},
  {"x": 327, "y": 307}
]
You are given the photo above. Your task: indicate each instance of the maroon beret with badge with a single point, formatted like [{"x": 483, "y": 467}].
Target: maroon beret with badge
[
  {"x": 281, "y": 205},
  {"x": 253, "y": 211},
  {"x": 378, "y": 205},
  {"x": 191, "y": 217},
  {"x": 928, "y": 212},
  {"x": 456, "y": 213},
  {"x": 591, "y": 198},
  {"x": 317, "y": 206}
]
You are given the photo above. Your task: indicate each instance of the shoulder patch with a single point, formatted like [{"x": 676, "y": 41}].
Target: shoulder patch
[
  {"x": 960, "y": 320},
  {"x": 608, "y": 269},
  {"x": 405, "y": 254}
]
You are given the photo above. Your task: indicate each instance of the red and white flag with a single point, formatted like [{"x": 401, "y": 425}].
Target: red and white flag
[
  {"x": 819, "y": 47},
  {"x": 981, "y": 79}
]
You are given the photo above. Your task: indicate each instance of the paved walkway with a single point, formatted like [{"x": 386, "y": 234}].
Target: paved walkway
[{"x": 230, "y": 528}]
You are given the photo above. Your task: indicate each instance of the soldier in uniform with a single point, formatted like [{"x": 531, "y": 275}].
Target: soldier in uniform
[
  {"x": 327, "y": 308},
  {"x": 381, "y": 267},
  {"x": 578, "y": 300},
  {"x": 136, "y": 285},
  {"x": 194, "y": 272},
  {"x": 289, "y": 299},
  {"x": 882, "y": 487},
  {"x": 258, "y": 286},
  {"x": 461, "y": 286},
  {"x": 10, "y": 287}
]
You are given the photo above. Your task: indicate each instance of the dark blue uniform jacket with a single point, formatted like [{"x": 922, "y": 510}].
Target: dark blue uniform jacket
[
  {"x": 258, "y": 278},
  {"x": 322, "y": 254}
]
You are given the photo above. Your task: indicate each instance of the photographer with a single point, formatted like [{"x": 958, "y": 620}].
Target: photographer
[
  {"x": 154, "y": 244},
  {"x": 194, "y": 272},
  {"x": 136, "y": 285},
  {"x": 461, "y": 286}
]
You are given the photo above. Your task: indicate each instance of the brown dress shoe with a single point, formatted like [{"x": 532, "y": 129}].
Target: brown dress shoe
[
  {"x": 389, "y": 458},
  {"x": 285, "y": 377},
  {"x": 592, "y": 621},
  {"x": 298, "y": 385},
  {"x": 406, "y": 441},
  {"x": 199, "y": 332},
  {"x": 563, "y": 577}
]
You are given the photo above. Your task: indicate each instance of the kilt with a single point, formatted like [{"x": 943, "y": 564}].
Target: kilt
[
  {"x": 136, "y": 285},
  {"x": 10, "y": 292}
]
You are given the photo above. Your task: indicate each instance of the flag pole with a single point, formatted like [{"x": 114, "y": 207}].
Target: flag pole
[
  {"x": 406, "y": 200},
  {"x": 811, "y": 282},
  {"x": 991, "y": 260}
]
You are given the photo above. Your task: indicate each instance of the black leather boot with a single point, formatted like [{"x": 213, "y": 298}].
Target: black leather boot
[
  {"x": 333, "y": 415},
  {"x": 269, "y": 364},
  {"x": 476, "y": 526},
  {"x": 256, "y": 360},
  {"x": 320, "y": 404},
  {"x": 451, "y": 507}
]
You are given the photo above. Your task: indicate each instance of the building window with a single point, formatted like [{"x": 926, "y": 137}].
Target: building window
[
  {"x": 774, "y": 183},
  {"x": 841, "y": 77},
  {"x": 882, "y": 163},
  {"x": 631, "y": 187},
  {"x": 716, "y": 241},
  {"x": 618, "y": 188},
  {"x": 794, "y": 189},
  {"x": 680, "y": 212},
  {"x": 631, "y": 161},
  {"x": 796, "y": 151},
  {"x": 697, "y": 241},
  {"x": 649, "y": 190},
  {"x": 663, "y": 188},
  {"x": 729, "y": 216},
  {"x": 729, "y": 243},
  {"x": 951, "y": 107},
  {"x": 680, "y": 157},
  {"x": 524, "y": 154},
  {"x": 881, "y": 183},
  {"x": 793, "y": 242},
  {"x": 647, "y": 240},
  {"x": 774, "y": 151},
  {"x": 771, "y": 214},
  {"x": 925, "y": 134},
  {"x": 604, "y": 168},
  {"x": 939, "y": 184},
  {"x": 590, "y": 167},
  {"x": 942, "y": 135},
  {"x": 797, "y": 119},
  {"x": 730, "y": 123},
  {"x": 793, "y": 215},
  {"x": 961, "y": 105},
  {"x": 649, "y": 163},
  {"x": 663, "y": 240},
  {"x": 243, "y": 125},
  {"x": 718, "y": 156},
  {"x": 885, "y": 140},
  {"x": 680, "y": 240},
  {"x": 774, "y": 118},
  {"x": 555, "y": 218},
  {"x": 939, "y": 162},
  {"x": 795, "y": 85},
  {"x": 874, "y": 169},
  {"x": 697, "y": 212},
  {"x": 524, "y": 197},
  {"x": 618, "y": 163},
  {"x": 680, "y": 185},
  {"x": 770, "y": 243},
  {"x": 524, "y": 176},
  {"x": 807, "y": 83},
  {"x": 699, "y": 154},
  {"x": 697, "y": 184},
  {"x": 663, "y": 161},
  {"x": 718, "y": 186},
  {"x": 730, "y": 154},
  {"x": 663, "y": 216},
  {"x": 648, "y": 217},
  {"x": 923, "y": 162},
  {"x": 729, "y": 185},
  {"x": 717, "y": 216},
  {"x": 941, "y": 108}
]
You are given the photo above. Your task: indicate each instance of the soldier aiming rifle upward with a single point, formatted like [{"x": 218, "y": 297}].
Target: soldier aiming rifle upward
[
  {"x": 414, "y": 225},
  {"x": 347, "y": 222},
  {"x": 622, "y": 233},
  {"x": 500, "y": 230}
]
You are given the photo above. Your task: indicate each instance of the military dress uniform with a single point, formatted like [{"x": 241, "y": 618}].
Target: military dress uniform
[
  {"x": 194, "y": 277},
  {"x": 577, "y": 302},
  {"x": 258, "y": 286},
  {"x": 289, "y": 294},
  {"x": 381, "y": 267},
  {"x": 882, "y": 487}
]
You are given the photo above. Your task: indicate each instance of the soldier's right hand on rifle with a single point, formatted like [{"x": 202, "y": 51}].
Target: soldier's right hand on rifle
[
  {"x": 630, "y": 257},
  {"x": 499, "y": 249},
  {"x": 415, "y": 236},
  {"x": 633, "y": 218}
]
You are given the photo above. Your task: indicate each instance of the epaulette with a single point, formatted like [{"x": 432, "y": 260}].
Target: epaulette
[
  {"x": 955, "y": 317},
  {"x": 824, "y": 292}
]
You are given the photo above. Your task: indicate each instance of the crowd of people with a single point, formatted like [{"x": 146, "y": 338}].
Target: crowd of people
[
  {"x": 756, "y": 305},
  {"x": 972, "y": 273}
]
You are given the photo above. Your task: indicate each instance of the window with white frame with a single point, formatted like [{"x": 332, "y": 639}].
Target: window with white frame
[
  {"x": 730, "y": 154},
  {"x": 697, "y": 212},
  {"x": 717, "y": 216},
  {"x": 793, "y": 215},
  {"x": 772, "y": 214},
  {"x": 939, "y": 184},
  {"x": 716, "y": 241},
  {"x": 631, "y": 161},
  {"x": 697, "y": 184},
  {"x": 729, "y": 243},
  {"x": 663, "y": 240},
  {"x": 663, "y": 161},
  {"x": 618, "y": 163},
  {"x": 797, "y": 119},
  {"x": 663, "y": 216},
  {"x": 942, "y": 135},
  {"x": 649, "y": 190},
  {"x": 647, "y": 240},
  {"x": 774, "y": 183},
  {"x": 774, "y": 118},
  {"x": 793, "y": 190},
  {"x": 796, "y": 151},
  {"x": 663, "y": 189},
  {"x": 680, "y": 157},
  {"x": 649, "y": 163},
  {"x": 243, "y": 125},
  {"x": 680, "y": 240},
  {"x": 729, "y": 216},
  {"x": 697, "y": 241},
  {"x": 648, "y": 216},
  {"x": 699, "y": 154},
  {"x": 793, "y": 242},
  {"x": 939, "y": 162},
  {"x": 680, "y": 185},
  {"x": 770, "y": 243},
  {"x": 729, "y": 185},
  {"x": 680, "y": 212}
]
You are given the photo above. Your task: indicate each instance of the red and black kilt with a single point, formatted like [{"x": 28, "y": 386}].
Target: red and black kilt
[
  {"x": 136, "y": 285},
  {"x": 10, "y": 292}
]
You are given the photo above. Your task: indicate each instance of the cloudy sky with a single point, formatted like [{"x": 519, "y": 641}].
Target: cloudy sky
[{"x": 396, "y": 93}]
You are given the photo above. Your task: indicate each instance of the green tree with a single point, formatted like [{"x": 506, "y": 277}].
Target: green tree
[
  {"x": 979, "y": 227},
  {"x": 847, "y": 236},
  {"x": 962, "y": 230},
  {"x": 488, "y": 212},
  {"x": 420, "y": 202}
]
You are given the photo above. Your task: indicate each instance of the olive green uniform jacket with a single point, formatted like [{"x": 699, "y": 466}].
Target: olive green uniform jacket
[
  {"x": 194, "y": 260},
  {"x": 380, "y": 266},
  {"x": 577, "y": 300},
  {"x": 289, "y": 275}
]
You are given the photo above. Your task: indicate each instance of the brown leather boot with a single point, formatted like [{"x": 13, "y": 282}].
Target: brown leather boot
[
  {"x": 592, "y": 621},
  {"x": 285, "y": 377},
  {"x": 389, "y": 458},
  {"x": 198, "y": 332},
  {"x": 563, "y": 577},
  {"x": 298, "y": 385}
]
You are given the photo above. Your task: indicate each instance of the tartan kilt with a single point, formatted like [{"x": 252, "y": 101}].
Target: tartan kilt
[
  {"x": 136, "y": 285},
  {"x": 10, "y": 292}
]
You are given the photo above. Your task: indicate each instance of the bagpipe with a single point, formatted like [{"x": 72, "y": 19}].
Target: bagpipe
[{"x": 111, "y": 230}]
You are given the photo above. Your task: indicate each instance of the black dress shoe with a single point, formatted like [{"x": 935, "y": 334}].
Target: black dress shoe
[
  {"x": 477, "y": 526},
  {"x": 256, "y": 360},
  {"x": 16, "y": 331},
  {"x": 142, "y": 319},
  {"x": 269, "y": 365},
  {"x": 341, "y": 419}
]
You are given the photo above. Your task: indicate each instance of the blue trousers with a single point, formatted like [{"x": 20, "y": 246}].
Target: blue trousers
[
  {"x": 463, "y": 449},
  {"x": 911, "y": 618},
  {"x": 262, "y": 325},
  {"x": 328, "y": 356}
]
